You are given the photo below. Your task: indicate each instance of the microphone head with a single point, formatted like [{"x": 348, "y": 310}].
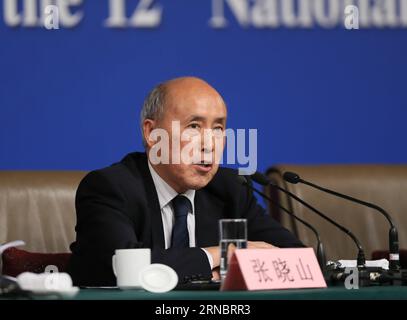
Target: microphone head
[
  {"x": 260, "y": 178},
  {"x": 291, "y": 177}
]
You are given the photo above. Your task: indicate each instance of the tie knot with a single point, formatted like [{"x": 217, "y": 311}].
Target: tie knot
[{"x": 181, "y": 205}]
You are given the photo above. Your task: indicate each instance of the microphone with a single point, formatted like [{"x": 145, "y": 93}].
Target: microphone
[
  {"x": 320, "y": 248},
  {"x": 394, "y": 257},
  {"x": 263, "y": 180}
]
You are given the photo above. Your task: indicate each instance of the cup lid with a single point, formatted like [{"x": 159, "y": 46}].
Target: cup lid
[{"x": 158, "y": 278}]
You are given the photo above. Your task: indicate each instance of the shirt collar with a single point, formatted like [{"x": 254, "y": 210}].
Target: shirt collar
[{"x": 165, "y": 192}]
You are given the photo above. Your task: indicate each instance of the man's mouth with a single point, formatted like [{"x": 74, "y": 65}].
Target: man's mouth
[{"x": 203, "y": 166}]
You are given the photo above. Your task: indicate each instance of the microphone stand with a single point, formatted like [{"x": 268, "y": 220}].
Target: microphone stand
[
  {"x": 361, "y": 260},
  {"x": 394, "y": 271},
  {"x": 320, "y": 248}
]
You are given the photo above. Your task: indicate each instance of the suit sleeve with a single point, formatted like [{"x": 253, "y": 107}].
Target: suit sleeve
[{"x": 104, "y": 225}]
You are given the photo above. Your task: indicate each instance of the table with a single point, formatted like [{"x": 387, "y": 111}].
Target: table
[{"x": 330, "y": 293}]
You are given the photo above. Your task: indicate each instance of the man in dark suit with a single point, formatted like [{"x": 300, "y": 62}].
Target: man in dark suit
[{"x": 154, "y": 200}]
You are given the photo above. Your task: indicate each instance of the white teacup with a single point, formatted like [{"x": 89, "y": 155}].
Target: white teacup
[{"x": 127, "y": 264}]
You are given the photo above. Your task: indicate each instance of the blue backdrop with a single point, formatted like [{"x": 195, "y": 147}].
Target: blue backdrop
[{"x": 70, "y": 98}]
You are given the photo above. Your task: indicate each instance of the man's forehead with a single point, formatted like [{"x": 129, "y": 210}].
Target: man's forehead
[
  {"x": 186, "y": 82},
  {"x": 196, "y": 117},
  {"x": 201, "y": 98},
  {"x": 189, "y": 87},
  {"x": 196, "y": 108}
]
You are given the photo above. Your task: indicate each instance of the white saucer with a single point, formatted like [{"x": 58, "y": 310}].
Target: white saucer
[
  {"x": 68, "y": 293},
  {"x": 158, "y": 278}
]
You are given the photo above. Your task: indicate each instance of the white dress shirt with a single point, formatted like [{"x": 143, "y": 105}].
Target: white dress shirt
[{"x": 165, "y": 195}]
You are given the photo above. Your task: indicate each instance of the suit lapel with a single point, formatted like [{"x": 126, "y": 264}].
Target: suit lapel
[
  {"x": 154, "y": 213},
  {"x": 208, "y": 211},
  {"x": 208, "y": 208}
]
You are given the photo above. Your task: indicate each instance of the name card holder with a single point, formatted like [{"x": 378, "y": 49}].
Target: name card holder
[{"x": 267, "y": 269}]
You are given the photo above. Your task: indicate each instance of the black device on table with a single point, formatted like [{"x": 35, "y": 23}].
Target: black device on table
[{"x": 199, "y": 285}]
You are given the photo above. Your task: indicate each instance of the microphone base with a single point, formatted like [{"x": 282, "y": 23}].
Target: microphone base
[
  {"x": 395, "y": 277},
  {"x": 353, "y": 278}
]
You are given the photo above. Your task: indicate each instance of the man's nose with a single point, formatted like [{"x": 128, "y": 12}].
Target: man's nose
[
  {"x": 207, "y": 142},
  {"x": 206, "y": 150}
]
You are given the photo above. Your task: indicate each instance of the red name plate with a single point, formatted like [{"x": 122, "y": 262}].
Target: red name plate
[{"x": 266, "y": 269}]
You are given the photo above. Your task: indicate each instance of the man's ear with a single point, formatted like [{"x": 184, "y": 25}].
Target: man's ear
[{"x": 148, "y": 127}]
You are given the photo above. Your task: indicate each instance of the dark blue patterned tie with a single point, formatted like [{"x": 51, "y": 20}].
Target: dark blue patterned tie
[{"x": 180, "y": 237}]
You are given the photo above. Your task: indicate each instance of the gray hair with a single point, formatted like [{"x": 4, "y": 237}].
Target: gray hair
[{"x": 153, "y": 106}]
